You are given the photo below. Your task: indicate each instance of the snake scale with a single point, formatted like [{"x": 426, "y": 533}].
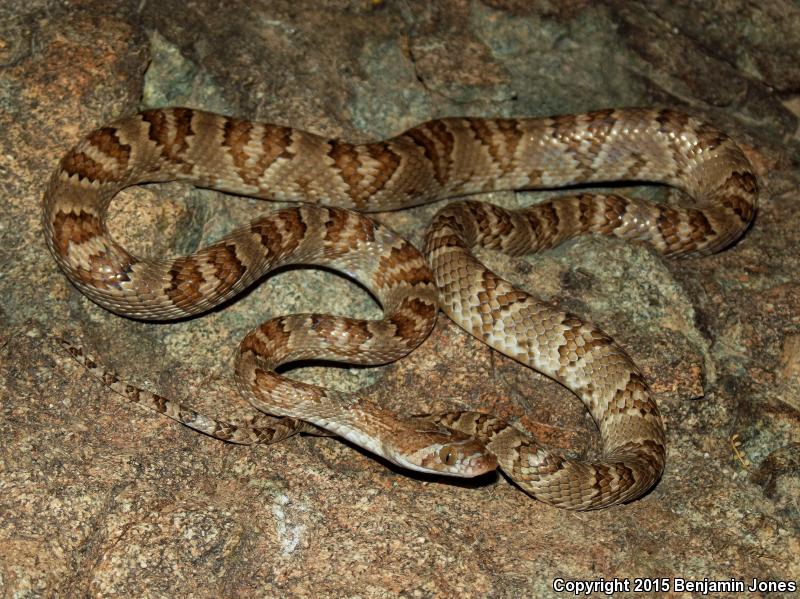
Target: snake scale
[{"x": 432, "y": 161}]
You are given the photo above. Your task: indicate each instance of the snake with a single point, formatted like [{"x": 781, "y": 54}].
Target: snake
[{"x": 335, "y": 182}]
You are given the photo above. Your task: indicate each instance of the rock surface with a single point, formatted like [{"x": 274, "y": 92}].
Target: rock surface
[{"x": 102, "y": 498}]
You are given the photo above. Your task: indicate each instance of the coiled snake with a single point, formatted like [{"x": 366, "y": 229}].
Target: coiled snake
[{"x": 435, "y": 160}]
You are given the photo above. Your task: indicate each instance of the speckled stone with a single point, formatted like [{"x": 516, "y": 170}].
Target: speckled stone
[{"x": 104, "y": 499}]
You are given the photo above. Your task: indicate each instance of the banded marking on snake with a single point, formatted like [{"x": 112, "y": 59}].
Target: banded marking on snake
[{"x": 433, "y": 161}]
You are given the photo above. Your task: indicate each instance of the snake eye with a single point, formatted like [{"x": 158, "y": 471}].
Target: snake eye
[{"x": 448, "y": 455}]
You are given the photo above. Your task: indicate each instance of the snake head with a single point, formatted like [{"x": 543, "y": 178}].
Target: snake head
[{"x": 448, "y": 452}]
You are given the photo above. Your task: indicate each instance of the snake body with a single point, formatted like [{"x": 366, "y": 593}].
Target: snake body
[{"x": 435, "y": 160}]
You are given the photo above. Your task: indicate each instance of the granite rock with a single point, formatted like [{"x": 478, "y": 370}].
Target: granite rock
[{"x": 102, "y": 498}]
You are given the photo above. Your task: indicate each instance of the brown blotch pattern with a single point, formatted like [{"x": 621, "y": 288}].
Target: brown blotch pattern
[
  {"x": 436, "y": 242},
  {"x": 614, "y": 209},
  {"x": 268, "y": 338},
  {"x": 744, "y": 180},
  {"x": 341, "y": 234},
  {"x": 106, "y": 139},
  {"x": 599, "y": 125},
  {"x": 700, "y": 225},
  {"x": 495, "y": 225},
  {"x": 671, "y": 124},
  {"x": 633, "y": 398},
  {"x": 569, "y": 130},
  {"x": 667, "y": 222},
  {"x": 486, "y": 136},
  {"x": 173, "y": 143},
  {"x": 493, "y": 303},
  {"x": 346, "y": 158},
  {"x": 544, "y": 222},
  {"x": 580, "y": 340},
  {"x": 78, "y": 163},
  {"x": 742, "y": 207},
  {"x": 236, "y": 135},
  {"x": 402, "y": 265},
  {"x": 389, "y": 161},
  {"x": 587, "y": 208},
  {"x": 280, "y": 239},
  {"x": 407, "y": 328},
  {"x": 512, "y": 135},
  {"x": 70, "y": 228},
  {"x": 437, "y": 144},
  {"x": 710, "y": 137},
  {"x": 671, "y": 121},
  {"x": 275, "y": 144},
  {"x": 227, "y": 266},
  {"x": 330, "y": 330},
  {"x": 254, "y": 343},
  {"x": 424, "y": 310},
  {"x": 605, "y": 474},
  {"x": 186, "y": 280}
]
